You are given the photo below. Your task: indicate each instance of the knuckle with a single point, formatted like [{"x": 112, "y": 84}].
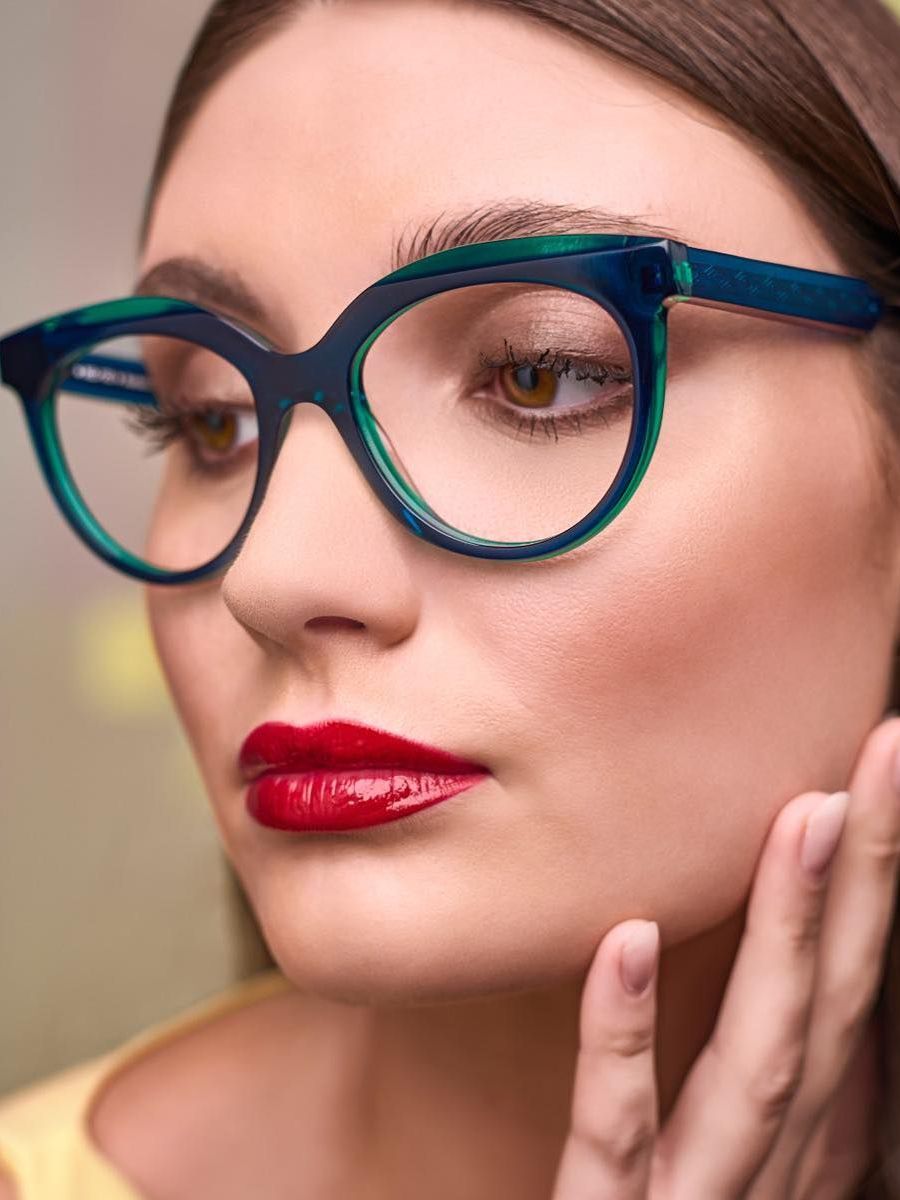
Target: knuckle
[
  {"x": 771, "y": 1090},
  {"x": 883, "y": 849},
  {"x": 803, "y": 929},
  {"x": 631, "y": 1145},
  {"x": 626, "y": 1143},
  {"x": 630, "y": 1041},
  {"x": 848, "y": 1005}
]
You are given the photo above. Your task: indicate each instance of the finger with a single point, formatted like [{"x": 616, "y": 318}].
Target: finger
[
  {"x": 728, "y": 1112},
  {"x": 855, "y": 931},
  {"x": 608, "y": 1151},
  {"x": 845, "y": 1144}
]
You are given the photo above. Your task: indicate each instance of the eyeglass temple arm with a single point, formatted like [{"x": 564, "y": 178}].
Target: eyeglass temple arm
[
  {"x": 108, "y": 378},
  {"x": 788, "y": 293}
]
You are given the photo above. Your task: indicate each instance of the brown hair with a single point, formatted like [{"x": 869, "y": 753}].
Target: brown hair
[{"x": 813, "y": 85}]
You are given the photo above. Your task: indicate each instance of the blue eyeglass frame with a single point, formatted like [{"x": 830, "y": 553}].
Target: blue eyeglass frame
[{"x": 636, "y": 279}]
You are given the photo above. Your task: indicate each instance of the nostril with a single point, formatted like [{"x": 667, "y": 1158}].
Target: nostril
[{"x": 333, "y": 623}]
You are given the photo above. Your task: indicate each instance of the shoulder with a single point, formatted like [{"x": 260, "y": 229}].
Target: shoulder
[
  {"x": 186, "y": 1057},
  {"x": 158, "y": 1116},
  {"x": 98, "y": 1108}
]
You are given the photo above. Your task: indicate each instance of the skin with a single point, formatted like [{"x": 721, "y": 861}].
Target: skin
[{"x": 661, "y": 709}]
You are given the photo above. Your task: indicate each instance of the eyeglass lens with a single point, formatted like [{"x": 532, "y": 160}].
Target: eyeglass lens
[{"x": 504, "y": 409}]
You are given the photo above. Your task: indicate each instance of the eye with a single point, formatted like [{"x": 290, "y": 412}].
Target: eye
[
  {"x": 534, "y": 387},
  {"x": 222, "y": 431},
  {"x": 574, "y": 393}
]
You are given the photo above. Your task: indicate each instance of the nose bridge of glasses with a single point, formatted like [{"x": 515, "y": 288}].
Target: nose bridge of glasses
[{"x": 310, "y": 378}]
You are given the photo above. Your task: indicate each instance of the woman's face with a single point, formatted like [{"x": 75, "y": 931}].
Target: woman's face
[{"x": 645, "y": 703}]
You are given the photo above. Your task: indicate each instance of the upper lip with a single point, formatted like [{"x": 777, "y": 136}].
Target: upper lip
[{"x": 341, "y": 745}]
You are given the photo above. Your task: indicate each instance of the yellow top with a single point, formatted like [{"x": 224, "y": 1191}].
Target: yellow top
[{"x": 44, "y": 1141}]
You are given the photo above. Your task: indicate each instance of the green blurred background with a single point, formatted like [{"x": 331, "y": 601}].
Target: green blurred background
[{"x": 116, "y": 904}]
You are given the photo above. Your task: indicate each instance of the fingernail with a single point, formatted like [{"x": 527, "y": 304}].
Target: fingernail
[
  {"x": 823, "y": 833},
  {"x": 895, "y": 769},
  {"x": 638, "y": 958}
]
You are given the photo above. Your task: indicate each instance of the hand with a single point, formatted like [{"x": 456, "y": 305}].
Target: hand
[{"x": 753, "y": 1118}]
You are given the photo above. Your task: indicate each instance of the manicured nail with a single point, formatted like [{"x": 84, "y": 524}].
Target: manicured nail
[
  {"x": 638, "y": 959},
  {"x": 823, "y": 833}
]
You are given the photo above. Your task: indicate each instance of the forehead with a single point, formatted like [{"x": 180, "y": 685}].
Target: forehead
[{"x": 363, "y": 120}]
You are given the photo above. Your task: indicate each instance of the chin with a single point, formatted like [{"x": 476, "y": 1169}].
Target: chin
[
  {"x": 360, "y": 984},
  {"x": 395, "y": 959}
]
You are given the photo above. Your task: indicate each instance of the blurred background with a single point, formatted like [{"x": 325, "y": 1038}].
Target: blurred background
[{"x": 117, "y": 908}]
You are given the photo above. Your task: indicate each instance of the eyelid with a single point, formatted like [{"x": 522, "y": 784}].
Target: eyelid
[
  {"x": 182, "y": 403},
  {"x": 198, "y": 379}
]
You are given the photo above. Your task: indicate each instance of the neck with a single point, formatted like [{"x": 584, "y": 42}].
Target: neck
[{"x": 474, "y": 1096}]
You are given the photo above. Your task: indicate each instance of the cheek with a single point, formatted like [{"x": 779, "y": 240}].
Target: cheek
[
  {"x": 721, "y": 647},
  {"x": 200, "y": 656}
]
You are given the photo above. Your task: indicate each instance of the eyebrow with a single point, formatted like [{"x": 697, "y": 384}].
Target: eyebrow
[
  {"x": 515, "y": 219},
  {"x": 190, "y": 278}
]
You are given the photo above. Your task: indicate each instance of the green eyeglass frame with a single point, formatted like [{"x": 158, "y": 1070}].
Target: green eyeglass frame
[{"x": 636, "y": 279}]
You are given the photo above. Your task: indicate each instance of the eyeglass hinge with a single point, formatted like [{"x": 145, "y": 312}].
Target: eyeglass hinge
[{"x": 667, "y": 273}]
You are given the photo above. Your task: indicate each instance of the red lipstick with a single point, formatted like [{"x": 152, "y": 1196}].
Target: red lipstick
[{"x": 339, "y": 775}]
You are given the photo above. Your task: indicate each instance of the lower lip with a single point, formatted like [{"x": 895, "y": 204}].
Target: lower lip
[{"x": 327, "y": 801}]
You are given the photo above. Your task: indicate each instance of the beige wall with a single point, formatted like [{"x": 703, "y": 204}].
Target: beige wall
[{"x": 113, "y": 895}]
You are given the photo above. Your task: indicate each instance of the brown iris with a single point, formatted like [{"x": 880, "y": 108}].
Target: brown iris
[
  {"x": 529, "y": 385},
  {"x": 215, "y": 430}
]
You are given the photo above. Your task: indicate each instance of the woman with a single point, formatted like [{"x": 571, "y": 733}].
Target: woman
[{"x": 649, "y": 725}]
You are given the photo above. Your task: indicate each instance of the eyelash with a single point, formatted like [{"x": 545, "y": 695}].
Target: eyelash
[
  {"x": 162, "y": 429},
  {"x": 159, "y": 429},
  {"x": 560, "y": 364}
]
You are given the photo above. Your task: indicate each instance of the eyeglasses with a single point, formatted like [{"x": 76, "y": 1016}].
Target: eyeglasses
[{"x": 503, "y": 400}]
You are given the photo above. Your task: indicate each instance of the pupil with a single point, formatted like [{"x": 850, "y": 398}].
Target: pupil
[{"x": 526, "y": 377}]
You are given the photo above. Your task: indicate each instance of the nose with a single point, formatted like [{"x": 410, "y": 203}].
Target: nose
[{"x": 322, "y": 555}]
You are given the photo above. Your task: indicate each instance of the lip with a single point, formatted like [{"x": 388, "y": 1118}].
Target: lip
[{"x": 338, "y": 775}]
